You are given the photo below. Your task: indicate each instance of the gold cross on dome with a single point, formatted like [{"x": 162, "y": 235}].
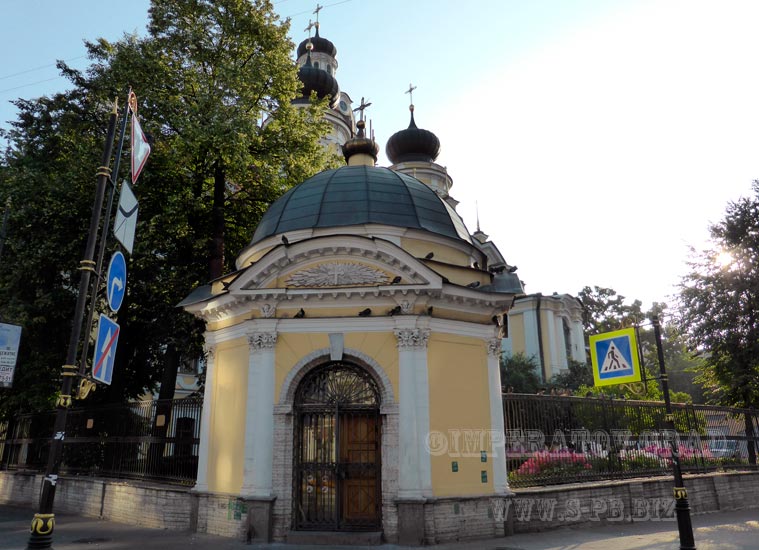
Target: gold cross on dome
[
  {"x": 361, "y": 108},
  {"x": 316, "y": 11},
  {"x": 410, "y": 93}
]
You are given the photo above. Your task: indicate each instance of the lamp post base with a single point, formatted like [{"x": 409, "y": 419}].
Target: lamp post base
[{"x": 42, "y": 531}]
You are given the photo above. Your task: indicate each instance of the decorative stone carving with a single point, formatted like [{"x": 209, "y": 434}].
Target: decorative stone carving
[
  {"x": 412, "y": 338},
  {"x": 209, "y": 351},
  {"x": 337, "y": 274},
  {"x": 268, "y": 311},
  {"x": 494, "y": 347},
  {"x": 262, "y": 340},
  {"x": 407, "y": 307}
]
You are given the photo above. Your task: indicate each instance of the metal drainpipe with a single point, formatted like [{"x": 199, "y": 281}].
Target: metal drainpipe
[{"x": 540, "y": 340}]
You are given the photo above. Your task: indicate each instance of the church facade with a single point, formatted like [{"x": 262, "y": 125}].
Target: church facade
[{"x": 352, "y": 359}]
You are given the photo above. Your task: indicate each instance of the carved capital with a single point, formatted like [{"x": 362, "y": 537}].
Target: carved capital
[
  {"x": 268, "y": 311},
  {"x": 209, "y": 351},
  {"x": 494, "y": 347},
  {"x": 412, "y": 338},
  {"x": 262, "y": 340}
]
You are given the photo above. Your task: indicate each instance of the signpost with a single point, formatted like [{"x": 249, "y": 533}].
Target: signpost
[
  {"x": 10, "y": 338},
  {"x": 614, "y": 356},
  {"x": 116, "y": 281},
  {"x": 105, "y": 350}
]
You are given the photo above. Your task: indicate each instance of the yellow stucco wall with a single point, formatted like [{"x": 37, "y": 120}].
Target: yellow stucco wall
[
  {"x": 442, "y": 253},
  {"x": 460, "y": 411},
  {"x": 292, "y": 348},
  {"x": 516, "y": 333},
  {"x": 225, "y": 451}
]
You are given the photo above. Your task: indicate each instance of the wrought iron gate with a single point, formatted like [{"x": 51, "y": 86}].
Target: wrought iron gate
[{"x": 336, "y": 470}]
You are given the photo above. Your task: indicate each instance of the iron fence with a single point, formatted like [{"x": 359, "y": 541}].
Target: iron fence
[
  {"x": 557, "y": 439},
  {"x": 151, "y": 440}
]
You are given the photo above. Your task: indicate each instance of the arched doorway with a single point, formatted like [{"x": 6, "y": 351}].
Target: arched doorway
[{"x": 336, "y": 459}]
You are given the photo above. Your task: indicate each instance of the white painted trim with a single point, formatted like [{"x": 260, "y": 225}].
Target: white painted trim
[
  {"x": 201, "y": 480},
  {"x": 500, "y": 477}
]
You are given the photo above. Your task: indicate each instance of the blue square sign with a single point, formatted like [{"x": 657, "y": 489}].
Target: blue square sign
[
  {"x": 105, "y": 350},
  {"x": 614, "y": 356}
]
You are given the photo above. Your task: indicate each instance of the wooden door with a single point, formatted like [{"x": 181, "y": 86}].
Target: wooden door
[{"x": 359, "y": 465}]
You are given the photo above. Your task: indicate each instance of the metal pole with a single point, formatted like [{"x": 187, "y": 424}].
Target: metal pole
[
  {"x": 682, "y": 508},
  {"x": 43, "y": 522},
  {"x": 104, "y": 240}
]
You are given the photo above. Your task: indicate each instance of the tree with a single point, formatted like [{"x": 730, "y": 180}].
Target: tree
[
  {"x": 577, "y": 374},
  {"x": 215, "y": 83},
  {"x": 719, "y": 308},
  {"x": 519, "y": 373}
]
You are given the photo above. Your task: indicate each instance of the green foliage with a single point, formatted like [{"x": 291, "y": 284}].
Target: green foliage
[
  {"x": 719, "y": 306},
  {"x": 215, "y": 82},
  {"x": 520, "y": 373},
  {"x": 577, "y": 375}
]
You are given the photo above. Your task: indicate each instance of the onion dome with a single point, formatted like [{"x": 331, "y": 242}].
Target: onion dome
[
  {"x": 412, "y": 144},
  {"x": 321, "y": 45},
  {"x": 360, "y": 145},
  {"x": 317, "y": 80},
  {"x": 357, "y": 195}
]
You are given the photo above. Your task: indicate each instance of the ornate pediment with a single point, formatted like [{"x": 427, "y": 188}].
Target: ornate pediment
[{"x": 337, "y": 274}]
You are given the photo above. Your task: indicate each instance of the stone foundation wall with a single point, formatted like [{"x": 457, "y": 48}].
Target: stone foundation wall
[
  {"x": 444, "y": 519},
  {"x": 645, "y": 499}
]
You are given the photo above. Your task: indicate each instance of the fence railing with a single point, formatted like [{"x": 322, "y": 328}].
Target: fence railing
[
  {"x": 151, "y": 440},
  {"x": 552, "y": 439}
]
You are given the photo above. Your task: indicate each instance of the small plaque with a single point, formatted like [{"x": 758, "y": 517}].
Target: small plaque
[
  {"x": 484, "y": 476},
  {"x": 90, "y": 423},
  {"x": 160, "y": 420},
  {"x": 483, "y": 456},
  {"x": 454, "y": 466}
]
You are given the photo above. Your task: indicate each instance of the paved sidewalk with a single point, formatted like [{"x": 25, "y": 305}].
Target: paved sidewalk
[{"x": 719, "y": 531}]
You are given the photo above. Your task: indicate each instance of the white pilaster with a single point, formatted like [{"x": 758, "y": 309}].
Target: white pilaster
[
  {"x": 415, "y": 478},
  {"x": 201, "y": 480},
  {"x": 498, "y": 436},
  {"x": 259, "y": 416}
]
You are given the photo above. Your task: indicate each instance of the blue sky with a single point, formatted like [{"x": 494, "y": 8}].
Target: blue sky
[{"x": 598, "y": 138}]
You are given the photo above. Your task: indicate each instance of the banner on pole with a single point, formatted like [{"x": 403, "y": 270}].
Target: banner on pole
[{"x": 10, "y": 338}]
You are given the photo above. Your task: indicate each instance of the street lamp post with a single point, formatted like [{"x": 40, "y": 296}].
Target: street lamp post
[
  {"x": 43, "y": 522},
  {"x": 682, "y": 507}
]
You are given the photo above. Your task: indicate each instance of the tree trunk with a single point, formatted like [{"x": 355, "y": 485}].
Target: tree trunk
[
  {"x": 216, "y": 263},
  {"x": 750, "y": 435}
]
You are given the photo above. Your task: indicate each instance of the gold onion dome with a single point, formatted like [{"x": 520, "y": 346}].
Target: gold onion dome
[{"x": 360, "y": 144}]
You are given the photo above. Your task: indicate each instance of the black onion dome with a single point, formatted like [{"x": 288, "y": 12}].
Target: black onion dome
[
  {"x": 321, "y": 45},
  {"x": 356, "y": 195},
  {"x": 412, "y": 144},
  {"x": 360, "y": 145},
  {"x": 317, "y": 80}
]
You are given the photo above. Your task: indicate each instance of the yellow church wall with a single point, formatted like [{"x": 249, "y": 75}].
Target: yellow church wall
[
  {"x": 292, "y": 348},
  {"x": 380, "y": 346},
  {"x": 460, "y": 411},
  {"x": 442, "y": 253},
  {"x": 225, "y": 450},
  {"x": 459, "y": 275},
  {"x": 517, "y": 334}
]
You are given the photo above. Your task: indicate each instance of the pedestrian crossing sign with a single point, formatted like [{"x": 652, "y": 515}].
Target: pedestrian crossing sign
[{"x": 614, "y": 356}]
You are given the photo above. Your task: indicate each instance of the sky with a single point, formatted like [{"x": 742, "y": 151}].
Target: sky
[{"x": 596, "y": 140}]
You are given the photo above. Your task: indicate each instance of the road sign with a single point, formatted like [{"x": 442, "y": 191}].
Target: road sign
[
  {"x": 10, "y": 338},
  {"x": 105, "y": 350},
  {"x": 125, "y": 224},
  {"x": 116, "y": 281},
  {"x": 614, "y": 356}
]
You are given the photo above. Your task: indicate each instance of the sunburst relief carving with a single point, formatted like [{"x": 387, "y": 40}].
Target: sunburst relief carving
[{"x": 337, "y": 274}]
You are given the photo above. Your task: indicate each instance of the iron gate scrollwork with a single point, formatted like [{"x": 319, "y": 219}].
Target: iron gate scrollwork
[{"x": 336, "y": 470}]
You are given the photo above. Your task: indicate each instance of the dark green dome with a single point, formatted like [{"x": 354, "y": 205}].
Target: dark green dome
[{"x": 356, "y": 195}]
